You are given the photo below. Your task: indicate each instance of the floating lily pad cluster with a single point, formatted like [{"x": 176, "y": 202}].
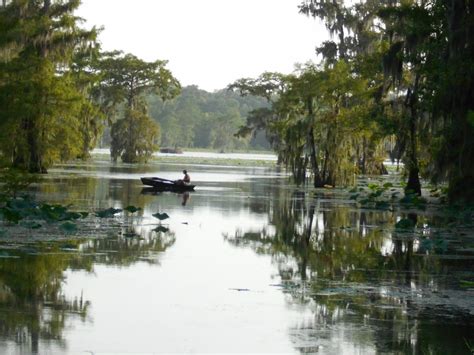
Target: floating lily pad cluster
[
  {"x": 28, "y": 213},
  {"x": 383, "y": 196}
]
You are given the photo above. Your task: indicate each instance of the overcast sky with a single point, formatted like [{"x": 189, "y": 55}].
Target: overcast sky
[{"x": 209, "y": 43}]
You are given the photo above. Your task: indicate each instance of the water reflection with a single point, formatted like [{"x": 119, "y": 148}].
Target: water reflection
[
  {"x": 312, "y": 273},
  {"x": 353, "y": 269},
  {"x": 33, "y": 306}
]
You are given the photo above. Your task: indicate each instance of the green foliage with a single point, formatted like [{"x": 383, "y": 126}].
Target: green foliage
[
  {"x": 15, "y": 181},
  {"x": 134, "y": 138},
  {"x": 108, "y": 213},
  {"x": 125, "y": 81},
  {"x": 68, "y": 227},
  {"x": 314, "y": 121},
  {"x": 405, "y": 224},
  {"x": 200, "y": 119},
  {"x": 29, "y": 212},
  {"x": 161, "y": 229},
  {"x": 161, "y": 216},
  {"x": 41, "y": 105},
  {"x": 132, "y": 209}
]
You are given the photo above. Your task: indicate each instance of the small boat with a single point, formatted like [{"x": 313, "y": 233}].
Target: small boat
[
  {"x": 165, "y": 184},
  {"x": 171, "y": 150}
]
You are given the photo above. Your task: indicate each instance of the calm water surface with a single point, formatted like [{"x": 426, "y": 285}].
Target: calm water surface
[{"x": 248, "y": 264}]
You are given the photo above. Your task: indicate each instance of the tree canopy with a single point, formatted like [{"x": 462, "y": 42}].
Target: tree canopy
[
  {"x": 395, "y": 79},
  {"x": 126, "y": 80},
  {"x": 40, "y": 101}
]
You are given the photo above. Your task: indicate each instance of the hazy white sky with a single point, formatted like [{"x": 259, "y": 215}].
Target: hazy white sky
[{"x": 209, "y": 43}]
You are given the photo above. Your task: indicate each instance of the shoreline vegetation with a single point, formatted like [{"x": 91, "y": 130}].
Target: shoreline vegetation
[
  {"x": 216, "y": 158},
  {"x": 24, "y": 218}
]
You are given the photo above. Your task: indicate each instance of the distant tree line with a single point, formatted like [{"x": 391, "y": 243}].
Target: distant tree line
[
  {"x": 200, "y": 119},
  {"x": 397, "y": 79}
]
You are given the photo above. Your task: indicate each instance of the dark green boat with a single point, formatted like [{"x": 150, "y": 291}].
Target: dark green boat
[{"x": 166, "y": 185}]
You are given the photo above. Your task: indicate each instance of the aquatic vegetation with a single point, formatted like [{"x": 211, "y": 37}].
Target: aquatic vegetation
[
  {"x": 14, "y": 181},
  {"x": 23, "y": 215},
  {"x": 132, "y": 209},
  {"x": 161, "y": 216},
  {"x": 161, "y": 229},
  {"x": 26, "y": 209},
  {"x": 108, "y": 213},
  {"x": 386, "y": 196},
  {"x": 68, "y": 227}
]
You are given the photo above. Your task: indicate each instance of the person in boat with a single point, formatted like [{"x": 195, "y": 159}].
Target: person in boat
[{"x": 186, "y": 180}]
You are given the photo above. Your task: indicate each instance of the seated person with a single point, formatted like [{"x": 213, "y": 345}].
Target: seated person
[{"x": 186, "y": 180}]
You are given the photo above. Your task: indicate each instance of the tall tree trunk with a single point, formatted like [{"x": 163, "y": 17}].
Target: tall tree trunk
[
  {"x": 35, "y": 164},
  {"x": 318, "y": 182},
  {"x": 461, "y": 51},
  {"x": 413, "y": 183}
]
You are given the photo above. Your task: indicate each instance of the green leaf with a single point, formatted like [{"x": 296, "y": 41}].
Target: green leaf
[
  {"x": 382, "y": 204},
  {"x": 132, "y": 209},
  {"x": 107, "y": 213},
  {"x": 31, "y": 225},
  {"x": 470, "y": 118},
  {"x": 161, "y": 216},
  {"x": 11, "y": 215},
  {"x": 130, "y": 234},
  {"x": 161, "y": 229},
  {"x": 465, "y": 283},
  {"x": 68, "y": 227},
  {"x": 72, "y": 216},
  {"x": 405, "y": 224},
  {"x": 372, "y": 186}
]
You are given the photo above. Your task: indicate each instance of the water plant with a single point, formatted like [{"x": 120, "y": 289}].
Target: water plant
[
  {"x": 161, "y": 216},
  {"x": 132, "y": 209},
  {"x": 54, "y": 219},
  {"x": 108, "y": 213},
  {"x": 15, "y": 181}
]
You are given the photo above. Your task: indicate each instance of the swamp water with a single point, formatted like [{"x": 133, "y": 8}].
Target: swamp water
[{"x": 246, "y": 263}]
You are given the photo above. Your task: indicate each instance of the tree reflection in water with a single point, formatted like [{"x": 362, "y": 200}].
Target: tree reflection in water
[
  {"x": 33, "y": 307},
  {"x": 352, "y": 267}
]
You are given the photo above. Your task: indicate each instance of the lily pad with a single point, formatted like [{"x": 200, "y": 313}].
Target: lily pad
[
  {"x": 161, "y": 216},
  {"x": 161, "y": 229},
  {"x": 31, "y": 225},
  {"x": 107, "y": 213},
  {"x": 132, "y": 209},
  {"x": 68, "y": 227},
  {"x": 11, "y": 215},
  {"x": 130, "y": 234}
]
